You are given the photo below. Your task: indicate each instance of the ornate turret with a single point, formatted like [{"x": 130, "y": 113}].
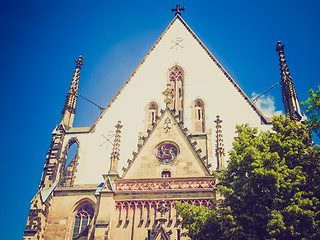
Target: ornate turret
[
  {"x": 69, "y": 109},
  {"x": 289, "y": 96},
  {"x": 115, "y": 151},
  {"x": 219, "y": 144}
]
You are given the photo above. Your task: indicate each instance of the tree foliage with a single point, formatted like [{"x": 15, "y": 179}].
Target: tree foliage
[
  {"x": 271, "y": 188},
  {"x": 201, "y": 222},
  {"x": 312, "y": 107}
]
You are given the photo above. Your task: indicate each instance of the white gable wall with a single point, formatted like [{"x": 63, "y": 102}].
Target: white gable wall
[{"x": 203, "y": 79}]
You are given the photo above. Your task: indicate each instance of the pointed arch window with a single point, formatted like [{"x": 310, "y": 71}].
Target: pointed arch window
[
  {"x": 71, "y": 157},
  {"x": 199, "y": 116},
  {"x": 176, "y": 80},
  {"x": 72, "y": 153},
  {"x": 83, "y": 218},
  {"x": 152, "y": 114}
]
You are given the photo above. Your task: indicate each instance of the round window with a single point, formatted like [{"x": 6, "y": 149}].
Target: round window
[{"x": 167, "y": 152}]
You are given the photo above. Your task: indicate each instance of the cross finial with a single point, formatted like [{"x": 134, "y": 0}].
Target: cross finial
[{"x": 177, "y": 10}]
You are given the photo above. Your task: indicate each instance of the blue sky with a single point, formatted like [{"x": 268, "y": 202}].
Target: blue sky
[{"x": 41, "y": 39}]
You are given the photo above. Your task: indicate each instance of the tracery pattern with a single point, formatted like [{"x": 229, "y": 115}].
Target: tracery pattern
[
  {"x": 148, "y": 208},
  {"x": 176, "y": 80},
  {"x": 82, "y": 219},
  {"x": 167, "y": 153}
]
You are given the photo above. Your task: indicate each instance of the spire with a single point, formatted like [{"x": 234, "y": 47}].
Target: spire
[
  {"x": 219, "y": 144},
  {"x": 115, "y": 151},
  {"x": 289, "y": 96},
  {"x": 69, "y": 109}
]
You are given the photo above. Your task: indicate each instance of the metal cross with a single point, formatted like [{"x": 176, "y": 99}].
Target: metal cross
[
  {"x": 177, "y": 43},
  {"x": 177, "y": 10},
  {"x": 107, "y": 139}
]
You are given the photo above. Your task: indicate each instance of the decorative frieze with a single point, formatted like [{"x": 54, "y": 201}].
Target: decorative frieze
[{"x": 165, "y": 184}]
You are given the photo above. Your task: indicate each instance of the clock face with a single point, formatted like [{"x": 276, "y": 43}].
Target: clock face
[{"x": 167, "y": 152}]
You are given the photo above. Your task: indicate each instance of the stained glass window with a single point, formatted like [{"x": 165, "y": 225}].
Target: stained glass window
[
  {"x": 176, "y": 79},
  {"x": 167, "y": 152},
  {"x": 82, "y": 219}
]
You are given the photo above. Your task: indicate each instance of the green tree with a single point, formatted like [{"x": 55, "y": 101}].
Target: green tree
[
  {"x": 199, "y": 221},
  {"x": 312, "y": 107},
  {"x": 271, "y": 187}
]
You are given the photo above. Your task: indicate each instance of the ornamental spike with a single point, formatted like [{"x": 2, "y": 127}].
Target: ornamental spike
[
  {"x": 289, "y": 95},
  {"x": 115, "y": 151},
  {"x": 219, "y": 144},
  {"x": 69, "y": 109}
]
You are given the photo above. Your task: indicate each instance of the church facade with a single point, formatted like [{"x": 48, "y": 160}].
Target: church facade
[{"x": 158, "y": 141}]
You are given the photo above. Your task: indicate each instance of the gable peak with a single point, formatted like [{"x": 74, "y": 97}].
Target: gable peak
[{"x": 166, "y": 123}]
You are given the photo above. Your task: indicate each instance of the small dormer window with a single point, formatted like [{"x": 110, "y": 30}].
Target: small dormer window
[{"x": 166, "y": 174}]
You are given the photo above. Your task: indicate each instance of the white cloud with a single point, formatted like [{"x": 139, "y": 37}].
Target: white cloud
[{"x": 266, "y": 105}]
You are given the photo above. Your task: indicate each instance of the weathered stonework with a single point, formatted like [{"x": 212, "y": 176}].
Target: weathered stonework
[{"x": 168, "y": 148}]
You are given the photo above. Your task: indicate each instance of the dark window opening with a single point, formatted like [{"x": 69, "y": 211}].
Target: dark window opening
[
  {"x": 152, "y": 121},
  {"x": 166, "y": 174},
  {"x": 149, "y": 234}
]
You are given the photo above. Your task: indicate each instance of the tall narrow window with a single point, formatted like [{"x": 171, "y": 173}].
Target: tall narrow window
[
  {"x": 199, "y": 116},
  {"x": 149, "y": 234},
  {"x": 82, "y": 219},
  {"x": 71, "y": 156},
  {"x": 176, "y": 79},
  {"x": 153, "y": 113},
  {"x": 72, "y": 153}
]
